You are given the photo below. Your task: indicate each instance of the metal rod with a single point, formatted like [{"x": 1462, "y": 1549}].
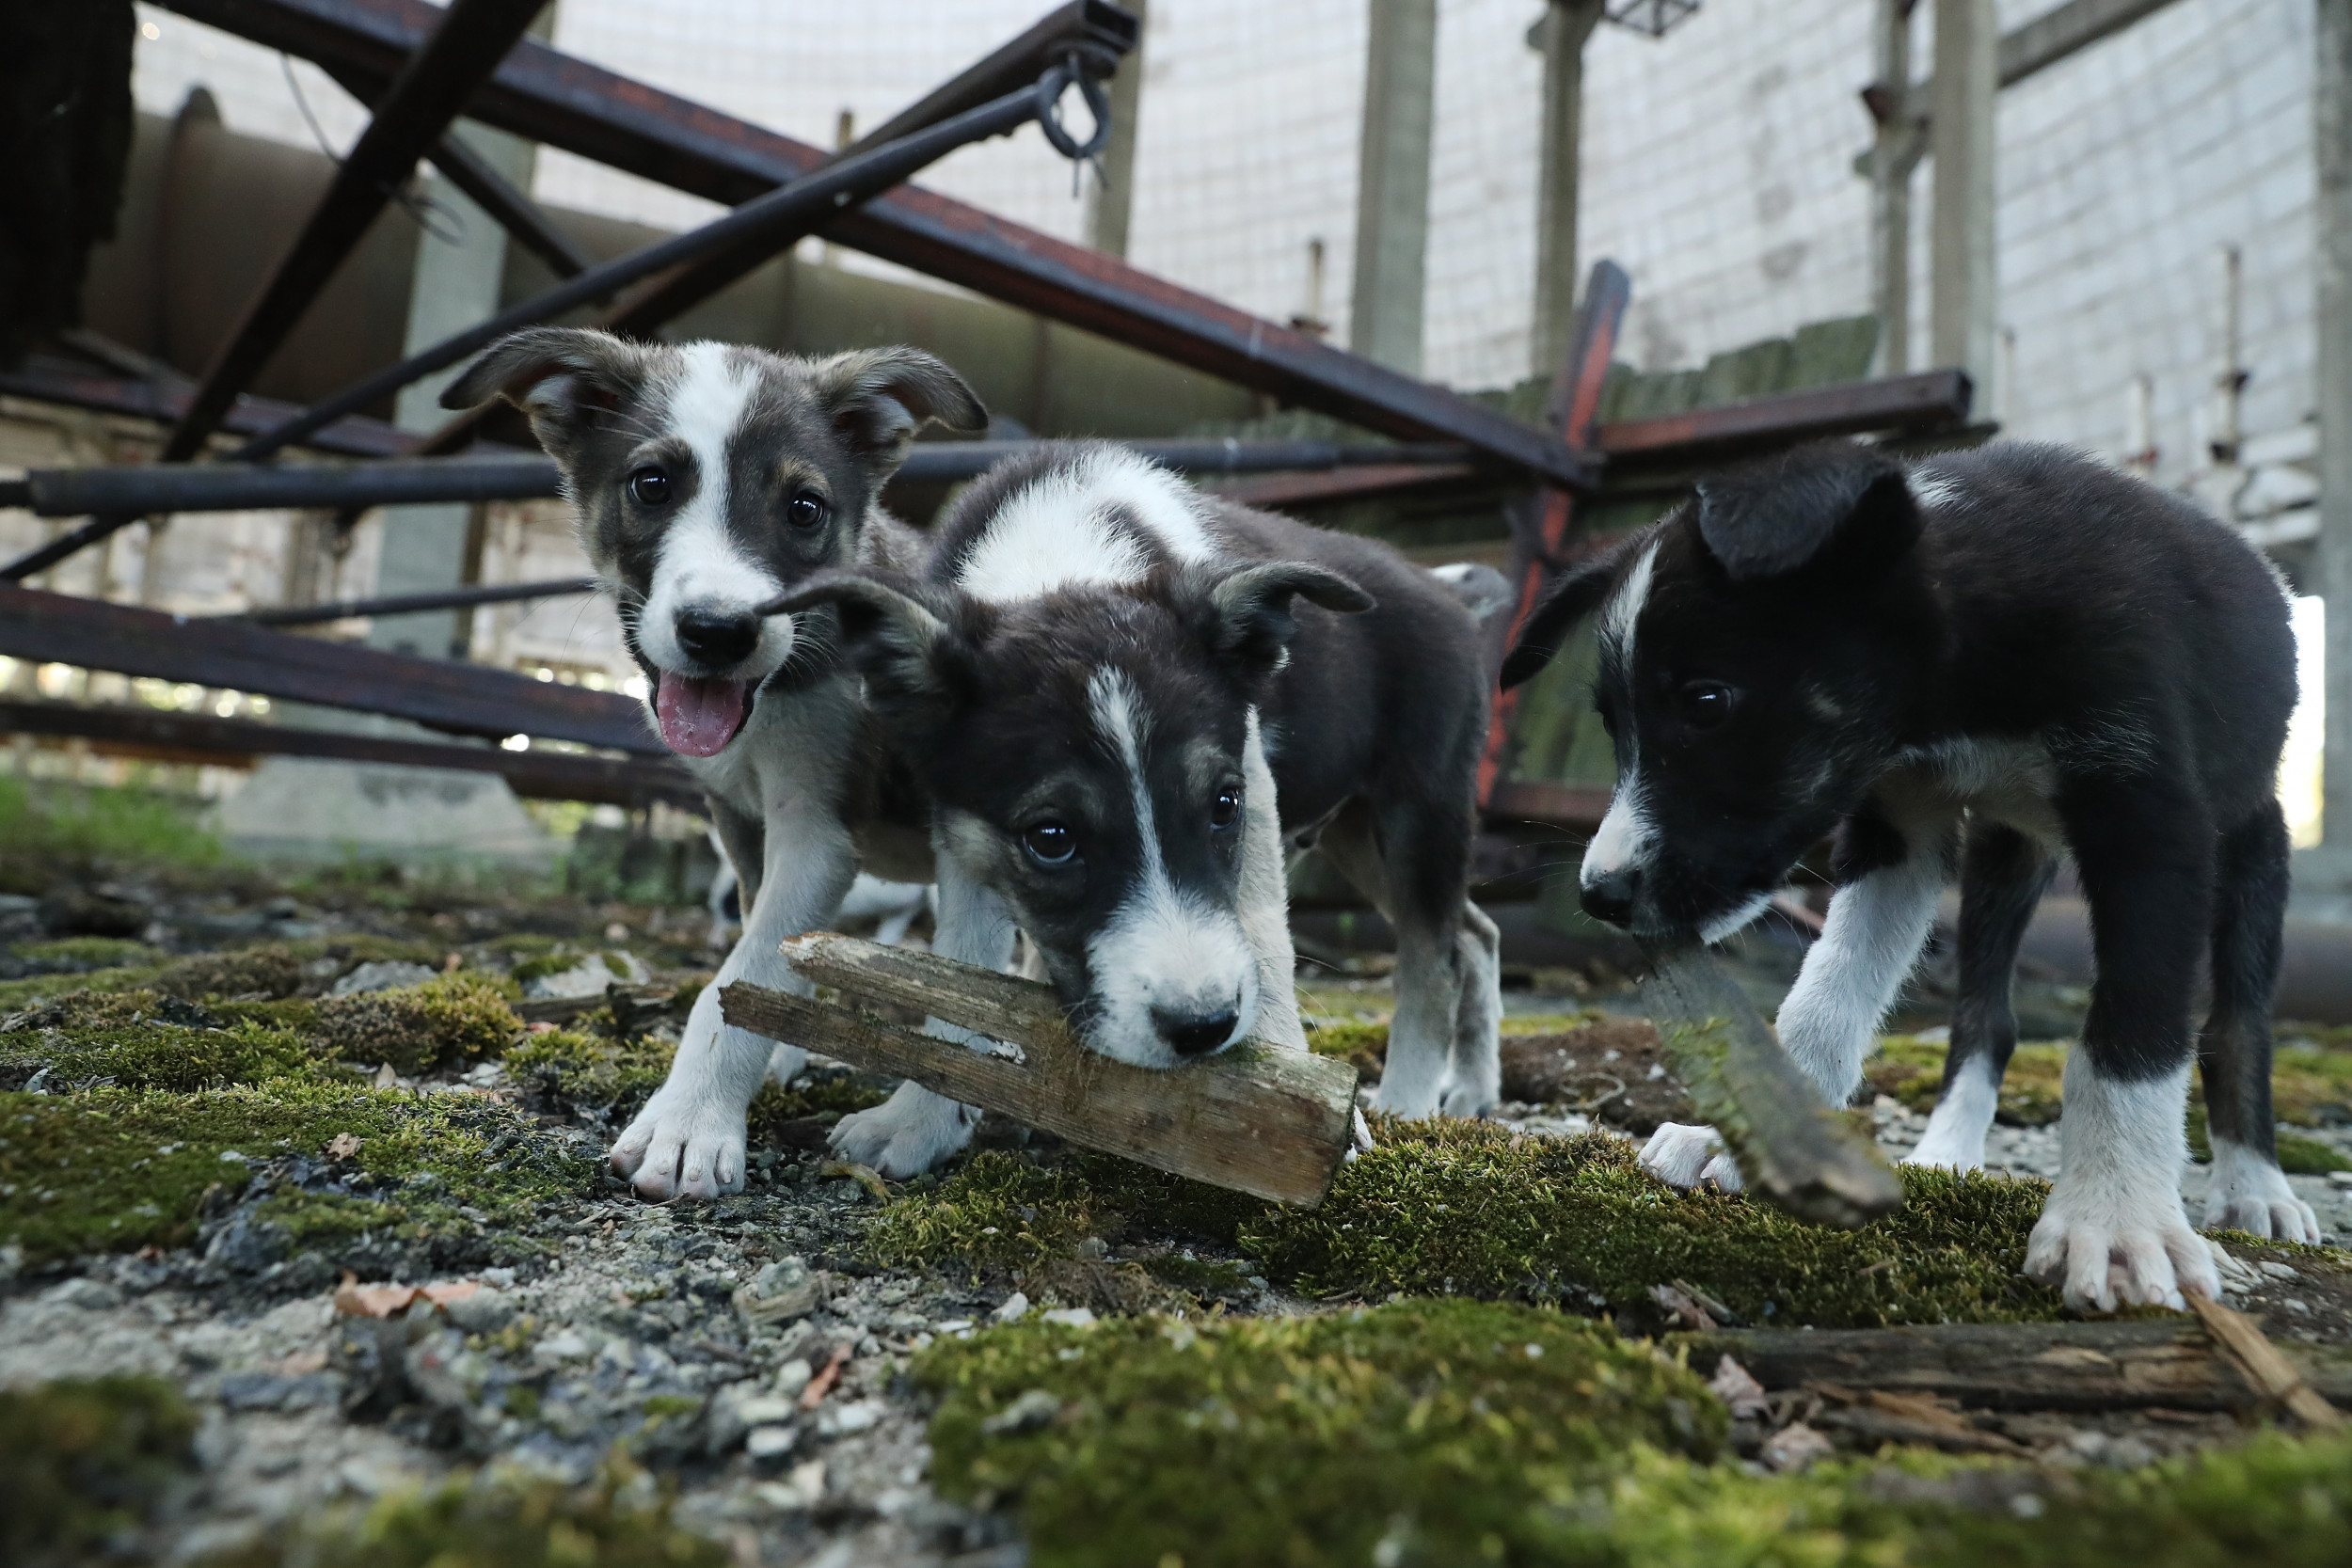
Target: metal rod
[
  {"x": 1104, "y": 31},
  {"x": 407, "y": 604},
  {"x": 143, "y": 489},
  {"x": 535, "y": 774},
  {"x": 445, "y": 695},
  {"x": 780, "y": 217},
  {"x": 462, "y": 51},
  {"x": 567, "y": 104}
]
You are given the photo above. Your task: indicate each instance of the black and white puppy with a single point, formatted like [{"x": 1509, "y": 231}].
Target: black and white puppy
[
  {"x": 1971, "y": 665},
  {"x": 1121, "y": 694},
  {"x": 708, "y": 480}
]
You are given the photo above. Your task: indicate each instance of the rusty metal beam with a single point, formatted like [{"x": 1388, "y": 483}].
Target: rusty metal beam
[
  {"x": 508, "y": 207},
  {"x": 1931, "y": 400},
  {"x": 46, "y": 379},
  {"x": 460, "y": 699},
  {"x": 415, "y": 604},
  {"x": 568, "y": 103},
  {"x": 537, "y": 775},
  {"x": 452, "y": 55}
]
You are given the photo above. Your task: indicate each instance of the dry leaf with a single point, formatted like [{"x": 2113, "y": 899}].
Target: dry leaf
[
  {"x": 1737, "y": 1388},
  {"x": 354, "y": 1300},
  {"x": 385, "y": 1078},
  {"x": 342, "y": 1146}
]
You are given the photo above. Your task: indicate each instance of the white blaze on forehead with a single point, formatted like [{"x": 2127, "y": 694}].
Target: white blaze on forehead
[
  {"x": 700, "y": 563},
  {"x": 1624, "y": 607},
  {"x": 1164, "y": 949},
  {"x": 1078, "y": 526}
]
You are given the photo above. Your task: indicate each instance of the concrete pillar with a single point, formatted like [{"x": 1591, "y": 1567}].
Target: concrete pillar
[
  {"x": 1900, "y": 142},
  {"x": 2331, "y": 98},
  {"x": 1964, "y": 310},
  {"x": 1559, "y": 36},
  {"x": 1393, "y": 182},
  {"x": 1111, "y": 198},
  {"x": 461, "y": 257}
]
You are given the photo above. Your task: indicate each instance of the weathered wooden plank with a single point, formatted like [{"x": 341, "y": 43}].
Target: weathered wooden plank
[
  {"x": 1790, "y": 1149},
  {"x": 2067, "y": 1366},
  {"x": 1272, "y": 1123}
]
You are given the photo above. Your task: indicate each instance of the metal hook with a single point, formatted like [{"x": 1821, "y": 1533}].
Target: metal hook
[{"x": 1069, "y": 71}]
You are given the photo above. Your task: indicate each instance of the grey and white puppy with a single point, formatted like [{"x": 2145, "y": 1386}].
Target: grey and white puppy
[{"x": 708, "y": 480}]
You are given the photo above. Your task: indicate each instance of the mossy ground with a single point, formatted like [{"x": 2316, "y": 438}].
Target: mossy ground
[
  {"x": 1467, "y": 1208},
  {"x": 1456, "y": 1432},
  {"x": 83, "y": 1464}
]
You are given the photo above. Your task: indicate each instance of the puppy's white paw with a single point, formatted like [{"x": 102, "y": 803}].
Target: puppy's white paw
[
  {"x": 2251, "y": 1194},
  {"x": 2103, "y": 1243},
  {"x": 1681, "y": 1154},
  {"x": 906, "y": 1134},
  {"x": 1467, "y": 1097},
  {"x": 1948, "y": 1149},
  {"x": 681, "y": 1146}
]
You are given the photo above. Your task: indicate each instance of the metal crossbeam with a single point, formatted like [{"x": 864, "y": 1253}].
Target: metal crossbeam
[
  {"x": 568, "y": 103},
  {"x": 534, "y": 774},
  {"x": 152, "y": 488},
  {"x": 417, "y": 604},
  {"x": 463, "y": 699},
  {"x": 452, "y": 58}
]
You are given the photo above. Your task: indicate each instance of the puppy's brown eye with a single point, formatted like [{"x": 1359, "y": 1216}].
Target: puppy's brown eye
[
  {"x": 1050, "y": 843},
  {"x": 1704, "y": 704},
  {"x": 1226, "y": 810},
  {"x": 651, "y": 487},
  {"x": 804, "y": 512}
]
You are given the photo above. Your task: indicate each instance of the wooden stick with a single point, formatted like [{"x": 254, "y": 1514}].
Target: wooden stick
[
  {"x": 1275, "y": 1124},
  {"x": 2258, "y": 1360},
  {"x": 1790, "y": 1147},
  {"x": 2060, "y": 1366}
]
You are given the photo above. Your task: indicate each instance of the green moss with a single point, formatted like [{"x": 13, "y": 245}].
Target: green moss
[
  {"x": 1421, "y": 1431},
  {"x": 2307, "y": 1085},
  {"x": 48, "y": 826},
  {"x": 580, "y": 1071},
  {"x": 2272, "y": 1501},
  {"x": 160, "y": 1056},
  {"x": 1464, "y": 1207},
  {"x": 544, "y": 964},
  {"x": 83, "y": 1464},
  {"x": 1426, "y": 1433},
  {"x": 835, "y": 1094},
  {"x": 486, "y": 1521},
  {"x": 116, "y": 1169},
  {"x": 445, "y": 1022},
  {"x": 79, "y": 954},
  {"x": 999, "y": 1211},
  {"x": 2309, "y": 1156},
  {"x": 1366, "y": 1045}
]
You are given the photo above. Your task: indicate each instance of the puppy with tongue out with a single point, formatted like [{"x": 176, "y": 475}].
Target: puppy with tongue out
[{"x": 709, "y": 481}]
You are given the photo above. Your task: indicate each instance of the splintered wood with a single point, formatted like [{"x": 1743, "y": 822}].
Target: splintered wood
[
  {"x": 1273, "y": 1124},
  {"x": 1789, "y": 1147}
]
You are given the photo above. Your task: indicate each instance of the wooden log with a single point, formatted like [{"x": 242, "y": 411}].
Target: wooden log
[
  {"x": 2169, "y": 1362},
  {"x": 1790, "y": 1147},
  {"x": 1271, "y": 1123}
]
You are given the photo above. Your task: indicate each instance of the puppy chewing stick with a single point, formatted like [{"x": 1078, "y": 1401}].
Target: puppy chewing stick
[{"x": 1275, "y": 1124}]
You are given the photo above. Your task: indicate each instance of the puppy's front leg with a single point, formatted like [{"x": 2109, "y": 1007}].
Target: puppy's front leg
[
  {"x": 1266, "y": 919},
  {"x": 688, "y": 1142},
  {"x": 915, "y": 1129}
]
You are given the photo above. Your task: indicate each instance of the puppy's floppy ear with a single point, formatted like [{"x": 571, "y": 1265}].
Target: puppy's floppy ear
[
  {"x": 877, "y": 398},
  {"x": 1835, "y": 503},
  {"x": 553, "y": 373},
  {"x": 1578, "y": 593},
  {"x": 1248, "y": 621},
  {"x": 914, "y": 657}
]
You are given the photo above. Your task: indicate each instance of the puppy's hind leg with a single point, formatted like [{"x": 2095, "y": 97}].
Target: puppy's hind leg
[
  {"x": 1475, "y": 1081},
  {"x": 2248, "y": 1191},
  {"x": 2002, "y": 877}
]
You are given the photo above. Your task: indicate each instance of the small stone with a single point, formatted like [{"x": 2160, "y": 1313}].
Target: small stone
[
  {"x": 2276, "y": 1271},
  {"x": 1073, "y": 1317},
  {"x": 1012, "y": 1309},
  {"x": 483, "y": 1312},
  {"x": 371, "y": 977},
  {"x": 2294, "y": 1306},
  {"x": 781, "y": 1292},
  {"x": 1793, "y": 1448},
  {"x": 768, "y": 1444},
  {"x": 1035, "y": 1409},
  {"x": 2340, "y": 1178},
  {"x": 567, "y": 1345},
  {"x": 841, "y": 1421},
  {"x": 792, "y": 1378}
]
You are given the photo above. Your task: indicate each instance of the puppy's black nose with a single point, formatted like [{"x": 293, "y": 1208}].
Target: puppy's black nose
[
  {"x": 1193, "y": 1034},
  {"x": 719, "y": 638},
  {"x": 1608, "y": 895}
]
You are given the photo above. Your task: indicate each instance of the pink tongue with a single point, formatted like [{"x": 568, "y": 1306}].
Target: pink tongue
[{"x": 699, "y": 718}]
